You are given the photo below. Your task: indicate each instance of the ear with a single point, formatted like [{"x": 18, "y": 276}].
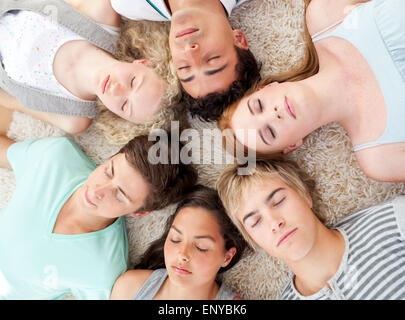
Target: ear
[
  {"x": 309, "y": 199},
  {"x": 140, "y": 214},
  {"x": 240, "y": 39},
  {"x": 228, "y": 256},
  {"x": 141, "y": 61},
  {"x": 293, "y": 146}
]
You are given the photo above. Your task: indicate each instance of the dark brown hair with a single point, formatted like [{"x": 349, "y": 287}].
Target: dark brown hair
[{"x": 167, "y": 182}]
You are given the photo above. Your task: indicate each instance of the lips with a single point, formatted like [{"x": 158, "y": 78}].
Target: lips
[
  {"x": 104, "y": 83},
  {"x": 290, "y": 108},
  {"x": 186, "y": 32},
  {"x": 287, "y": 236},
  {"x": 86, "y": 197},
  {"x": 181, "y": 270}
]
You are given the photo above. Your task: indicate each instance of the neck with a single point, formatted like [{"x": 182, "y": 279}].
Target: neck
[
  {"x": 74, "y": 219},
  {"x": 320, "y": 264},
  {"x": 207, "y": 291},
  {"x": 325, "y": 95},
  {"x": 77, "y": 67},
  {"x": 213, "y": 5}
]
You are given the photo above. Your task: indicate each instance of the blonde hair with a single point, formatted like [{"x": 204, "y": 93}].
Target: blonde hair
[
  {"x": 232, "y": 187},
  {"x": 150, "y": 40},
  {"x": 308, "y": 68}
]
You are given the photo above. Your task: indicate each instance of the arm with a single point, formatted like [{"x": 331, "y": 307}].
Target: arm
[
  {"x": 5, "y": 143},
  {"x": 99, "y": 11},
  {"x": 68, "y": 124},
  {"x": 127, "y": 285}
]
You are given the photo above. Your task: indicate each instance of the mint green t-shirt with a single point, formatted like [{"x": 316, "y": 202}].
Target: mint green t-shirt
[{"x": 36, "y": 263}]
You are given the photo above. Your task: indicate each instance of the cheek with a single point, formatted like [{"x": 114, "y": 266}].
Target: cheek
[
  {"x": 263, "y": 240},
  {"x": 208, "y": 264}
]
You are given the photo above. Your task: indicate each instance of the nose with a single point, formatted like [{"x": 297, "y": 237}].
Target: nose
[
  {"x": 277, "y": 112},
  {"x": 277, "y": 225},
  {"x": 183, "y": 254},
  {"x": 100, "y": 191},
  {"x": 192, "y": 51},
  {"x": 117, "y": 89}
]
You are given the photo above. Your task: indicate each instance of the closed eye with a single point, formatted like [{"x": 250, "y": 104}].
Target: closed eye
[
  {"x": 200, "y": 249},
  {"x": 271, "y": 131},
  {"x": 260, "y": 105},
  {"x": 132, "y": 81},
  {"x": 279, "y": 202},
  {"x": 213, "y": 58},
  {"x": 259, "y": 219},
  {"x": 267, "y": 134}
]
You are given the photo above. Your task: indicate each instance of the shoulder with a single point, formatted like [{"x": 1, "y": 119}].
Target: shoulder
[
  {"x": 320, "y": 14},
  {"x": 128, "y": 284}
]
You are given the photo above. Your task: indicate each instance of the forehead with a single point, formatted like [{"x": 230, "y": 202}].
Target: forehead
[
  {"x": 129, "y": 179},
  {"x": 255, "y": 194},
  {"x": 196, "y": 221}
]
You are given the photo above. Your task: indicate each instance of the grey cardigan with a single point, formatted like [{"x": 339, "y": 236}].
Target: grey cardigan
[{"x": 65, "y": 15}]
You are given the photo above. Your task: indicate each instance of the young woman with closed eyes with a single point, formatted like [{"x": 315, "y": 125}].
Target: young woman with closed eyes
[
  {"x": 199, "y": 242},
  {"x": 360, "y": 84}
]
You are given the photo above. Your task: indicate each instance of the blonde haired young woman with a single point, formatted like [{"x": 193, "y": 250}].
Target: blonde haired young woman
[
  {"x": 58, "y": 58},
  {"x": 360, "y": 85}
]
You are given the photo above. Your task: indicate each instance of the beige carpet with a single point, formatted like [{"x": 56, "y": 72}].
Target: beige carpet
[{"x": 273, "y": 29}]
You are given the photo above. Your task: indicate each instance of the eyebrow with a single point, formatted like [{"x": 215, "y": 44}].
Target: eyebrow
[
  {"x": 269, "y": 197},
  {"x": 250, "y": 109},
  {"x": 119, "y": 188},
  {"x": 197, "y": 237},
  {"x": 208, "y": 73}
]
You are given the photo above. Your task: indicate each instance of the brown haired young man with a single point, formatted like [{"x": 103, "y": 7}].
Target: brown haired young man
[
  {"x": 63, "y": 230},
  {"x": 207, "y": 53}
]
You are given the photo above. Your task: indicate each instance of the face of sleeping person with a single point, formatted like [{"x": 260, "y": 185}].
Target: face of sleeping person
[
  {"x": 279, "y": 219},
  {"x": 194, "y": 249},
  {"x": 113, "y": 189},
  {"x": 202, "y": 45},
  {"x": 133, "y": 91},
  {"x": 278, "y": 113}
]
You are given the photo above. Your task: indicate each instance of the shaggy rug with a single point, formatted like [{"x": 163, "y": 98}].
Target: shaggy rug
[{"x": 274, "y": 32}]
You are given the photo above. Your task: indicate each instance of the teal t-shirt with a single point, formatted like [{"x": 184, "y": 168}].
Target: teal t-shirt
[{"x": 36, "y": 263}]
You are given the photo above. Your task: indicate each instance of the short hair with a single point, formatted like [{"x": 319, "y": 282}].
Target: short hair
[
  {"x": 232, "y": 186},
  {"x": 198, "y": 197},
  {"x": 210, "y": 107},
  {"x": 167, "y": 182}
]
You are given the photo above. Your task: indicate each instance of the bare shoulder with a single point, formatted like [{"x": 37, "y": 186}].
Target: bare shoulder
[
  {"x": 321, "y": 14},
  {"x": 384, "y": 162},
  {"x": 128, "y": 284}
]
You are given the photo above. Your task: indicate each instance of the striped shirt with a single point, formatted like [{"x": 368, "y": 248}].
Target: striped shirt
[
  {"x": 156, "y": 10},
  {"x": 373, "y": 264}
]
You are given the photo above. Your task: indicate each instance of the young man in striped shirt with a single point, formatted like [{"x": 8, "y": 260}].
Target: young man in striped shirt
[
  {"x": 212, "y": 60},
  {"x": 362, "y": 257}
]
